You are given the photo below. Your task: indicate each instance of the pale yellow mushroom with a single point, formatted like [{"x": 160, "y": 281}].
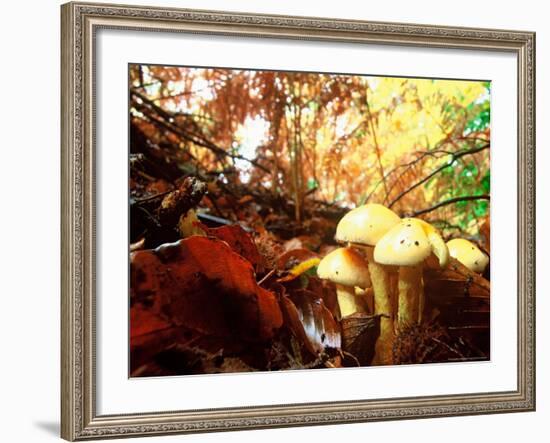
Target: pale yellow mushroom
[
  {"x": 407, "y": 245},
  {"x": 346, "y": 268},
  {"x": 363, "y": 227},
  {"x": 439, "y": 248},
  {"x": 468, "y": 254}
]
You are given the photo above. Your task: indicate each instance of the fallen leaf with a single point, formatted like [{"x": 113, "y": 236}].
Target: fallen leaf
[
  {"x": 359, "y": 335},
  {"x": 326, "y": 290},
  {"x": 145, "y": 322},
  {"x": 294, "y": 257},
  {"x": 460, "y": 300},
  {"x": 311, "y": 321},
  {"x": 241, "y": 242},
  {"x": 304, "y": 267},
  {"x": 200, "y": 283},
  {"x": 454, "y": 281},
  {"x": 311, "y": 242}
]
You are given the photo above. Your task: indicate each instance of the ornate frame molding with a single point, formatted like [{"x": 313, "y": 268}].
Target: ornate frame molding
[{"x": 79, "y": 23}]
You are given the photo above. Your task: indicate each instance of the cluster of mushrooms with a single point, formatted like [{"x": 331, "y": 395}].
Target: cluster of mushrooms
[{"x": 380, "y": 247}]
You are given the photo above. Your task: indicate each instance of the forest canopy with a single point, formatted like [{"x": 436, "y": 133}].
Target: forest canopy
[{"x": 418, "y": 146}]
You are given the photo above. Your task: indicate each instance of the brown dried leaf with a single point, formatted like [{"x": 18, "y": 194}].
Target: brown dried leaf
[
  {"x": 311, "y": 242},
  {"x": 460, "y": 299},
  {"x": 201, "y": 284},
  {"x": 359, "y": 335},
  {"x": 308, "y": 317},
  {"x": 454, "y": 281},
  {"x": 326, "y": 290}
]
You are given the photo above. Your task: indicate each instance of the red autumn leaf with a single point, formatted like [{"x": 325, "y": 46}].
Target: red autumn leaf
[
  {"x": 145, "y": 322},
  {"x": 201, "y": 284},
  {"x": 149, "y": 334},
  {"x": 241, "y": 242}
]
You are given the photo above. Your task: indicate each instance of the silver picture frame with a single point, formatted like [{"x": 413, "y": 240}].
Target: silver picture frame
[{"x": 80, "y": 22}]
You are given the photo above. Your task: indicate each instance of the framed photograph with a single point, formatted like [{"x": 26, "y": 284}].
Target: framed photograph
[{"x": 282, "y": 221}]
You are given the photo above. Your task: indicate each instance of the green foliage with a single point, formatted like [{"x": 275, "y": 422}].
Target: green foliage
[
  {"x": 479, "y": 122},
  {"x": 312, "y": 184},
  {"x": 481, "y": 114},
  {"x": 463, "y": 178}
]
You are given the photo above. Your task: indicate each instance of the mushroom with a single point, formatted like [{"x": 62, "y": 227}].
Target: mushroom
[
  {"x": 439, "y": 248},
  {"x": 363, "y": 227},
  {"x": 407, "y": 245},
  {"x": 468, "y": 254},
  {"x": 346, "y": 268}
]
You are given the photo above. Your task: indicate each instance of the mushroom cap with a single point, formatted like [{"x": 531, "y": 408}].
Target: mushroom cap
[
  {"x": 366, "y": 224},
  {"x": 468, "y": 254},
  {"x": 345, "y": 266},
  {"x": 403, "y": 245},
  {"x": 439, "y": 248}
]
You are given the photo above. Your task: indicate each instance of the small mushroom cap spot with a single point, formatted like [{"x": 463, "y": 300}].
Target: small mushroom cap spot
[
  {"x": 366, "y": 224},
  {"x": 468, "y": 254},
  {"x": 345, "y": 266},
  {"x": 396, "y": 247}
]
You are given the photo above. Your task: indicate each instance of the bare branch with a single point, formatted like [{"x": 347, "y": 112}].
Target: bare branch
[
  {"x": 454, "y": 157},
  {"x": 167, "y": 123},
  {"x": 420, "y": 155},
  {"x": 409, "y": 165},
  {"x": 448, "y": 202},
  {"x": 376, "y": 146}
]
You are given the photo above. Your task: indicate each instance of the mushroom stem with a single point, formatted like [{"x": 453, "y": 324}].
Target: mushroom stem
[
  {"x": 411, "y": 292},
  {"x": 381, "y": 285},
  {"x": 347, "y": 301}
]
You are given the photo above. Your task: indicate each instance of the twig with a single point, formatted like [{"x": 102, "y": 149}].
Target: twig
[
  {"x": 140, "y": 67},
  {"x": 409, "y": 166},
  {"x": 350, "y": 355},
  {"x": 444, "y": 225},
  {"x": 266, "y": 276},
  {"x": 448, "y": 202},
  {"x": 437, "y": 152},
  {"x": 454, "y": 157},
  {"x": 450, "y": 348},
  {"x": 197, "y": 139},
  {"x": 376, "y": 146},
  {"x": 139, "y": 201}
]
